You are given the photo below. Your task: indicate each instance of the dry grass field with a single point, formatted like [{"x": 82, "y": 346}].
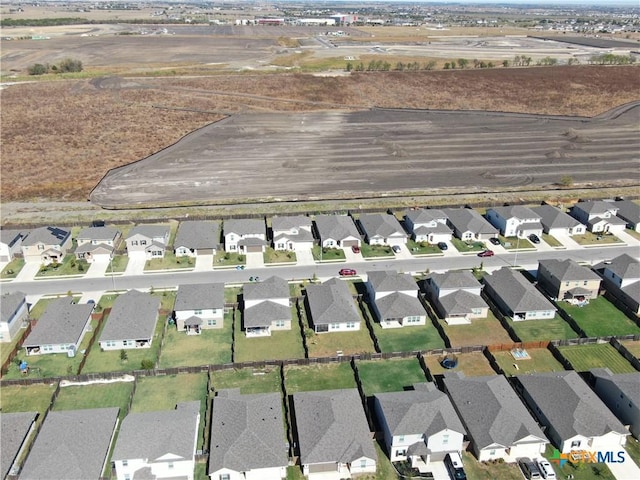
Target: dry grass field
[{"x": 59, "y": 138}]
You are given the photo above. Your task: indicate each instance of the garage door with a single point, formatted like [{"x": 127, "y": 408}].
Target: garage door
[
  {"x": 323, "y": 467},
  {"x": 350, "y": 243},
  {"x": 254, "y": 249}
]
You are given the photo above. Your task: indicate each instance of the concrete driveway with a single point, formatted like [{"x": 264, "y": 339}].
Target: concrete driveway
[
  {"x": 28, "y": 272},
  {"x": 626, "y": 470}
]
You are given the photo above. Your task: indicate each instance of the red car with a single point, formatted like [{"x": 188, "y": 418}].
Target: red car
[
  {"x": 347, "y": 272},
  {"x": 486, "y": 253},
  {"x": 355, "y": 249}
]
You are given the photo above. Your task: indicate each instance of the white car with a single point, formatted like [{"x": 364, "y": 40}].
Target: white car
[{"x": 546, "y": 470}]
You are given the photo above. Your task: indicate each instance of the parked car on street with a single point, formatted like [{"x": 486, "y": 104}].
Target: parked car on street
[
  {"x": 347, "y": 272},
  {"x": 486, "y": 253}
]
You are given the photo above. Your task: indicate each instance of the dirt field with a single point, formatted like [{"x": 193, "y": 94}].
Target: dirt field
[{"x": 58, "y": 139}]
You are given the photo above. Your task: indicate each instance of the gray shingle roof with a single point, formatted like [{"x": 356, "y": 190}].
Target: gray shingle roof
[
  {"x": 199, "y": 296},
  {"x": 461, "y": 302},
  {"x": 336, "y": 226},
  {"x": 399, "y": 305},
  {"x": 198, "y": 234},
  {"x": 438, "y": 228},
  {"x": 244, "y": 226},
  {"x": 391, "y": 281},
  {"x": 150, "y": 231},
  {"x": 516, "y": 292},
  {"x": 10, "y": 237},
  {"x": 453, "y": 279},
  {"x": 9, "y": 304},
  {"x": 331, "y": 302},
  {"x": 151, "y": 435},
  {"x": 628, "y": 210},
  {"x": 71, "y": 445},
  {"x": 95, "y": 249},
  {"x": 624, "y": 266},
  {"x": 14, "y": 428},
  {"x": 247, "y": 433},
  {"x": 133, "y": 316},
  {"x": 466, "y": 219},
  {"x": 62, "y": 322},
  {"x": 47, "y": 236},
  {"x": 568, "y": 270},
  {"x": 595, "y": 207},
  {"x": 415, "y": 412},
  {"x": 491, "y": 410},
  {"x": 289, "y": 222},
  {"x": 515, "y": 211},
  {"x": 332, "y": 427},
  {"x": 301, "y": 236},
  {"x": 98, "y": 233},
  {"x": 628, "y": 383},
  {"x": 270, "y": 288},
  {"x": 381, "y": 224},
  {"x": 264, "y": 313},
  {"x": 423, "y": 215},
  {"x": 552, "y": 217},
  {"x": 569, "y": 405}
]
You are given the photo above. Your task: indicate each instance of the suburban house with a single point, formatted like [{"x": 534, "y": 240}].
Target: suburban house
[
  {"x": 456, "y": 296},
  {"x": 382, "y": 229},
  {"x": 337, "y": 231},
  {"x": 333, "y": 434},
  {"x": 248, "y": 440},
  {"x": 331, "y": 307},
  {"x": 394, "y": 298},
  {"x": 567, "y": 280},
  {"x": 16, "y": 429},
  {"x": 14, "y": 311},
  {"x": 97, "y": 243},
  {"x": 132, "y": 321},
  {"x": 630, "y": 212},
  {"x": 574, "y": 417},
  {"x": 515, "y": 221},
  {"x": 292, "y": 233},
  {"x": 266, "y": 307},
  {"x": 469, "y": 225},
  {"x": 72, "y": 444},
  {"x": 46, "y": 245},
  {"x": 428, "y": 226},
  {"x": 148, "y": 241},
  {"x": 158, "y": 444},
  {"x": 516, "y": 297},
  {"x": 621, "y": 394},
  {"x": 60, "y": 329},
  {"x": 419, "y": 426},
  {"x": 195, "y": 237},
  {"x": 245, "y": 235},
  {"x": 557, "y": 223},
  {"x": 199, "y": 306},
  {"x": 10, "y": 244},
  {"x": 497, "y": 422},
  {"x": 622, "y": 278},
  {"x": 599, "y": 216}
]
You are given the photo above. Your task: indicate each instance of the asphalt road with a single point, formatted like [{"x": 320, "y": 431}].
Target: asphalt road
[{"x": 527, "y": 260}]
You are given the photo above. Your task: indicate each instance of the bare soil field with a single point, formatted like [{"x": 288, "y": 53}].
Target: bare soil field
[{"x": 58, "y": 139}]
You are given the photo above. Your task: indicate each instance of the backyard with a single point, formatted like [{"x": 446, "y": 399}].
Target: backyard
[
  {"x": 327, "y": 376},
  {"x": 22, "y": 398},
  {"x": 248, "y": 380},
  {"x": 408, "y": 339},
  {"x": 533, "y": 330},
  {"x": 540, "y": 360},
  {"x": 586, "y": 357},
  {"x": 600, "y": 318},
  {"x": 97, "y": 395},
  {"x": 389, "y": 375},
  {"x": 633, "y": 347},
  {"x": 473, "y": 364},
  {"x": 481, "y": 331}
]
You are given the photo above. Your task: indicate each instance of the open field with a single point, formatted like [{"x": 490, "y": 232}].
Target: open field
[{"x": 586, "y": 357}]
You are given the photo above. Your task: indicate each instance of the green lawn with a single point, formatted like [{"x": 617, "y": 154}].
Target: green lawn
[
  {"x": 319, "y": 377},
  {"x": 374, "y": 251},
  {"x": 422, "y": 248},
  {"x": 70, "y": 266},
  {"x": 513, "y": 243},
  {"x": 489, "y": 471},
  {"x": 532, "y": 330},
  {"x": 279, "y": 256},
  {"x": 212, "y": 346},
  {"x": 231, "y": 294},
  {"x": 248, "y": 380},
  {"x": 169, "y": 262},
  {"x": 586, "y": 357},
  {"x": 580, "y": 471},
  {"x": 118, "y": 264},
  {"x": 600, "y": 318},
  {"x": 97, "y": 395},
  {"x": 464, "y": 247},
  {"x": 379, "y": 376},
  {"x": 590, "y": 238},
  {"x": 481, "y": 331},
  {"x": 51, "y": 364},
  {"x": 7, "y": 348},
  {"x": 408, "y": 339},
  {"x": 551, "y": 240},
  {"x": 328, "y": 254},
  {"x": 633, "y": 447},
  {"x": 281, "y": 345},
  {"x": 472, "y": 364},
  {"x": 12, "y": 268},
  {"x": 110, "y": 361},
  {"x": 20, "y": 398},
  {"x": 541, "y": 360},
  {"x": 225, "y": 259}
]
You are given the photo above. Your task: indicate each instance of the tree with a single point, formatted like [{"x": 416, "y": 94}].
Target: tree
[
  {"x": 147, "y": 364},
  {"x": 38, "y": 69},
  {"x": 69, "y": 65},
  {"x": 430, "y": 65},
  {"x": 463, "y": 62},
  {"x": 123, "y": 355},
  {"x": 505, "y": 63},
  {"x": 447, "y": 65},
  {"x": 349, "y": 67}
]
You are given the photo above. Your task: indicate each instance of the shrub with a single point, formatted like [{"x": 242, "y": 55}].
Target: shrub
[
  {"x": 38, "y": 69},
  {"x": 147, "y": 364}
]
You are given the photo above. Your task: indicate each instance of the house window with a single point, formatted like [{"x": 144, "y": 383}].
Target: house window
[
  {"x": 156, "y": 253},
  {"x": 225, "y": 476},
  {"x": 575, "y": 444},
  {"x": 492, "y": 452},
  {"x": 232, "y": 247},
  {"x": 47, "y": 348},
  {"x": 280, "y": 246},
  {"x": 585, "y": 283},
  {"x": 279, "y": 323},
  {"x": 351, "y": 325},
  {"x": 401, "y": 453},
  {"x": 40, "y": 246},
  {"x": 170, "y": 464},
  {"x": 567, "y": 283},
  {"x": 212, "y": 322},
  {"x": 363, "y": 463},
  {"x": 445, "y": 439},
  {"x": 125, "y": 463},
  {"x": 197, "y": 312},
  {"x": 401, "y": 438},
  {"x": 143, "y": 242},
  {"x": 127, "y": 476},
  {"x": 335, "y": 326},
  {"x": 134, "y": 242}
]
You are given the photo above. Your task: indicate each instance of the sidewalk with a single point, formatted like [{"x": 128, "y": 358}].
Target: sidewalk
[{"x": 627, "y": 238}]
